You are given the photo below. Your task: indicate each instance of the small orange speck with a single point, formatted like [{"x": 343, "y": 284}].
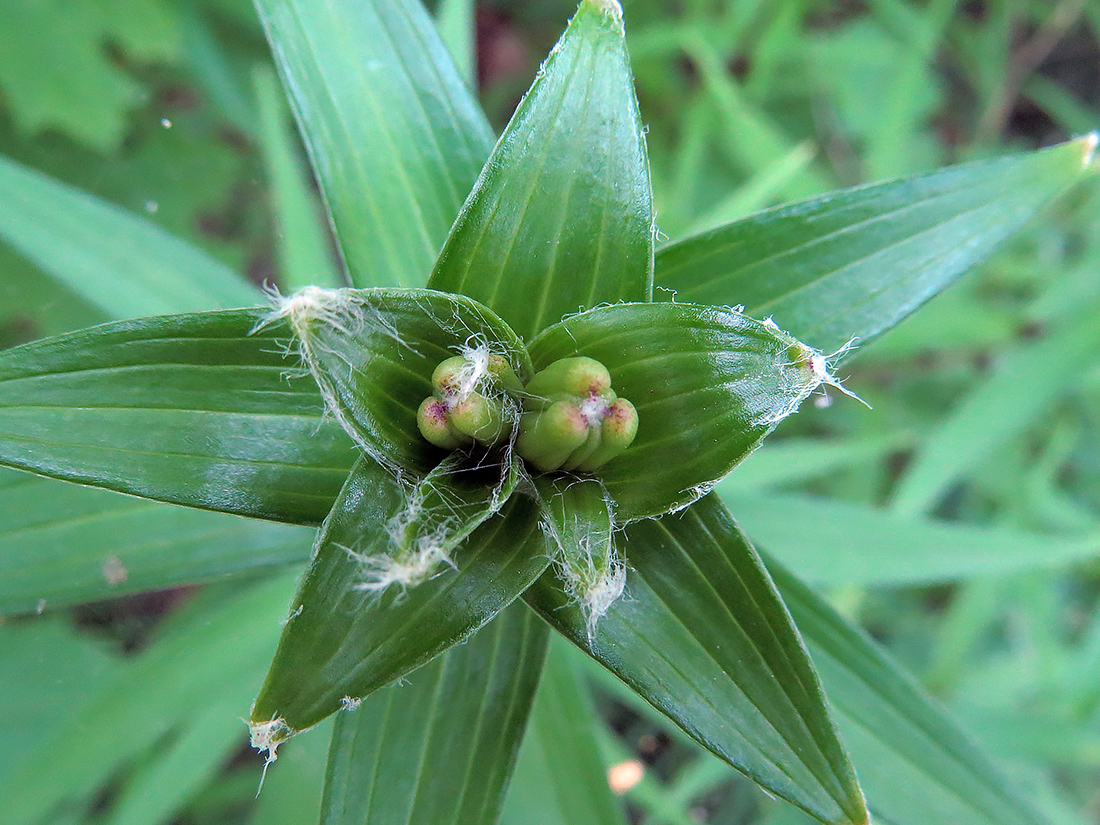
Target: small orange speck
[{"x": 624, "y": 776}]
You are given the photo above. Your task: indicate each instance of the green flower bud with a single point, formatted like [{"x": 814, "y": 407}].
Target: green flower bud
[
  {"x": 547, "y": 438},
  {"x": 478, "y": 416},
  {"x": 432, "y": 419},
  {"x": 617, "y": 431},
  {"x": 581, "y": 377},
  {"x": 505, "y": 376}
]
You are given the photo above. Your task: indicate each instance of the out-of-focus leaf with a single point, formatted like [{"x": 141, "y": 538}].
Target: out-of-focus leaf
[
  {"x": 915, "y": 764},
  {"x": 304, "y": 256},
  {"x": 189, "y": 409},
  {"x": 708, "y": 384},
  {"x": 214, "y": 649},
  {"x": 113, "y": 259},
  {"x": 455, "y": 21},
  {"x": 1022, "y": 387},
  {"x": 437, "y": 748},
  {"x": 854, "y": 263},
  {"x": 701, "y": 633},
  {"x": 395, "y": 137},
  {"x": 63, "y": 544},
  {"x": 560, "y": 778},
  {"x": 838, "y": 542},
  {"x": 373, "y": 352},
  {"x": 561, "y": 219},
  {"x": 358, "y": 624}
]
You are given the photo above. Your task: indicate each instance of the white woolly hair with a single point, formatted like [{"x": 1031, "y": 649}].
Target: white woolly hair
[
  {"x": 816, "y": 371},
  {"x": 267, "y": 737}
]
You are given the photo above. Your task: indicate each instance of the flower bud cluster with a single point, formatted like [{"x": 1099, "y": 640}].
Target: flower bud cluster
[
  {"x": 572, "y": 418},
  {"x": 469, "y": 394}
]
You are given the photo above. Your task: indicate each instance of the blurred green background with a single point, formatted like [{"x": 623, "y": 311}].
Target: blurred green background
[{"x": 959, "y": 521}]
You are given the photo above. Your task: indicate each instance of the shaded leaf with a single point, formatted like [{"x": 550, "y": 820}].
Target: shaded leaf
[
  {"x": 708, "y": 384},
  {"x": 62, "y": 544},
  {"x": 702, "y": 635},
  {"x": 437, "y": 748},
  {"x": 395, "y": 137},
  {"x": 349, "y": 634},
  {"x": 838, "y": 542},
  {"x": 916, "y": 765},
  {"x": 113, "y": 259},
  {"x": 190, "y": 409},
  {"x": 561, "y": 219},
  {"x": 854, "y": 263},
  {"x": 560, "y": 777}
]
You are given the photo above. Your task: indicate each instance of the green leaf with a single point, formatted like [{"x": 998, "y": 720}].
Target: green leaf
[
  {"x": 365, "y": 615},
  {"x": 561, "y": 219},
  {"x": 190, "y": 409},
  {"x": 373, "y": 352},
  {"x": 1022, "y": 387},
  {"x": 438, "y": 748},
  {"x": 852, "y": 264},
  {"x": 916, "y": 765},
  {"x": 838, "y": 542},
  {"x": 113, "y": 259},
  {"x": 203, "y": 655},
  {"x": 560, "y": 777},
  {"x": 63, "y": 544},
  {"x": 708, "y": 384},
  {"x": 394, "y": 135},
  {"x": 301, "y": 241},
  {"x": 458, "y": 30},
  {"x": 701, "y": 633}
]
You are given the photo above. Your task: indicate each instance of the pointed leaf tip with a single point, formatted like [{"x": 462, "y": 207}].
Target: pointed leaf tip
[{"x": 612, "y": 8}]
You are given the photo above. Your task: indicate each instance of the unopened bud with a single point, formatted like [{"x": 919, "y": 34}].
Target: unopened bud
[
  {"x": 580, "y": 377},
  {"x": 548, "y": 438},
  {"x": 617, "y": 431},
  {"x": 478, "y": 416},
  {"x": 431, "y": 418}
]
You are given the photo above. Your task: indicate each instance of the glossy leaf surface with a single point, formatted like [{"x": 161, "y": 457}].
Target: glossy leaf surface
[
  {"x": 190, "y": 409},
  {"x": 438, "y": 748},
  {"x": 372, "y": 352},
  {"x": 113, "y": 259},
  {"x": 708, "y": 384},
  {"x": 349, "y": 638},
  {"x": 916, "y": 765},
  {"x": 395, "y": 138},
  {"x": 702, "y": 635},
  {"x": 561, "y": 219},
  {"x": 854, "y": 263},
  {"x": 62, "y": 544}
]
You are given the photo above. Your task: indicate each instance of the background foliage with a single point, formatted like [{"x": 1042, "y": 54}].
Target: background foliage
[{"x": 958, "y": 522}]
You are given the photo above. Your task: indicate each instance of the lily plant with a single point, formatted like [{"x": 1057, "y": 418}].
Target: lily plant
[{"x": 503, "y": 430}]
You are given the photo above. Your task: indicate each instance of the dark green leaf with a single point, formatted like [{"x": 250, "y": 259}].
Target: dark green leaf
[
  {"x": 437, "y": 749},
  {"x": 917, "y": 767},
  {"x": 113, "y": 259},
  {"x": 189, "y": 409},
  {"x": 708, "y": 385},
  {"x": 561, "y": 219},
  {"x": 395, "y": 137},
  {"x": 702, "y": 634},
  {"x": 359, "y": 623},
  {"x": 372, "y": 352},
  {"x": 852, "y": 264},
  {"x": 560, "y": 778},
  {"x": 62, "y": 544}
]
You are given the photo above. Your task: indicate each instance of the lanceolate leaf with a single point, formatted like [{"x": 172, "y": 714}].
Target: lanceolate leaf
[
  {"x": 702, "y": 635},
  {"x": 115, "y": 260},
  {"x": 708, "y": 385},
  {"x": 395, "y": 137},
  {"x": 392, "y": 584},
  {"x": 854, "y": 263},
  {"x": 190, "y": 409},
  {"x": 915, "y": 764},
  {"x": 438, "y": 747},
  {"x": 561, "y": 218},
  {"x": 62, "y": 544}
]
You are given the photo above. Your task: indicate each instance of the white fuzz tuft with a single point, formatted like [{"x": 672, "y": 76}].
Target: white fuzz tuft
[
  {"x": 598, "y": 597},
  {"x": 406, "y": 570},
  {"x": 350, "y": 703},
  {"x": 267, "y": 736},
  {"x": 474, "y": 370}
]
